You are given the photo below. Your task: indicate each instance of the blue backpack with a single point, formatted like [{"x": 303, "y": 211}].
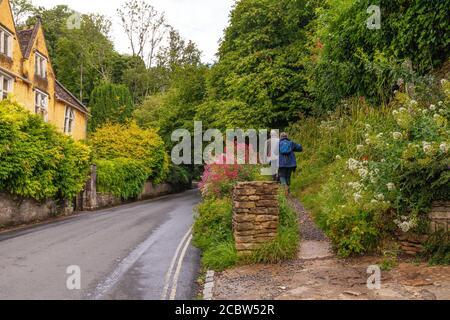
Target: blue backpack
[{"x": 286, "y": 147}]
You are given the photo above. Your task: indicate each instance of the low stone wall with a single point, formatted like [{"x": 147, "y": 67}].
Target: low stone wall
[
  {"x": 16, "y": 211},
  {"x": 412, "y": 244},
  {"x": 440, "y": 216},
  {"x": 90, "y": 199},
  {"x": 255, "y": 215}
]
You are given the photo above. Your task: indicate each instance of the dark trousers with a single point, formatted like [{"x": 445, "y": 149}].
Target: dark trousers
[{"x": 285, "y": 175}]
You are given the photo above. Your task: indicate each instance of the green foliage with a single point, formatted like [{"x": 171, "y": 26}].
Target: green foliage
[
  {"x": 259, "y": 74},
  {"x": 349, "y": 59},
  {"x": 175, "y": 108},
  {"x": 35, "y": 160},
  {"x": 213, "y": 233},
  {"x": 114, "y": 141},
  {"x": 121, "y": 177},
  {"x": 437, "y": 248},
  {"x": 110, "y": 103},
  {"x": 179, "y": 177},
  {"x": 368, "y": 172}
]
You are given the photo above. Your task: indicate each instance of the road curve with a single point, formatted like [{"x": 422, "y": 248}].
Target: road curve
[{"x": 138, "y": 251}]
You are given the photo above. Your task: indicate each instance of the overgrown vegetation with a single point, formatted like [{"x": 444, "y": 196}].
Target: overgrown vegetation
[
  {"x": 37, "y": 161},
  {"x": 213, "y": 221},
  {"x": 368, "y": 172}
]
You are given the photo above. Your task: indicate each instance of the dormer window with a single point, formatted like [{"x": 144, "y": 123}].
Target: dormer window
[
  {"x": 40, "y": 66},
  {"x": 41, "y": 104},
  {"x": 6, "y": 84},
  {"x": 5, "y": 42}
]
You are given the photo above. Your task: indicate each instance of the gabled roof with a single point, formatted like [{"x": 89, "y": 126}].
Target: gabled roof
[
  {"x": 26, "y": 39},
  {"x": 66, "y": 96}
]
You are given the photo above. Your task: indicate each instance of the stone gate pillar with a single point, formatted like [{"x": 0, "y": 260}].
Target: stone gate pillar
[{"x": 255, "y": 215}]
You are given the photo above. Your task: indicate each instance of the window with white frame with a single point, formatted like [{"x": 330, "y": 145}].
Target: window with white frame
[
  {"x": 40, "y": 66},
  {"x": 6, "y": 84},
  {"x": 69, "y": 120},
  {"x": 5, "y": 42},
  {"x": 41, "y": 104}
]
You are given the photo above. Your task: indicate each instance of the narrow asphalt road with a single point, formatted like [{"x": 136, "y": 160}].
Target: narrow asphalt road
[{"x": 136, "y": 251}]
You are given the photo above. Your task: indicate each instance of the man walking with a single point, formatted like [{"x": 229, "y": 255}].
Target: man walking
[{"x": 288, "y": 162}]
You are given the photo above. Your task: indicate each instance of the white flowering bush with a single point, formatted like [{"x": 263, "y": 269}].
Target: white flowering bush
[{"x": 388, "y": 166}]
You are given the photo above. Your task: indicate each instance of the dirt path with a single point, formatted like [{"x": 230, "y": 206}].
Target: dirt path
[{"x": 317, "y": 274}]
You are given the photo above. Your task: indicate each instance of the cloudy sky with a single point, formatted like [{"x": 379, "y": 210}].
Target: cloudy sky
[{"x": 202, "y": 21}]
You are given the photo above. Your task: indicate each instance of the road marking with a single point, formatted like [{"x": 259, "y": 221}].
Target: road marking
[
  {"x": 172, "y": 265},
  {"x": 177, "y": 273}
]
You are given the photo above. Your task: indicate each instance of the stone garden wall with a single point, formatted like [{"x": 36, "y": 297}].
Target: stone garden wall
[
  {"x": 255, "y": 215},
  {"x": 412, "y": 244}
]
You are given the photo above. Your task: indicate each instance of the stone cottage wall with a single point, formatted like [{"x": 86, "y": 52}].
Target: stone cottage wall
[{"x": 255, "y": 215}]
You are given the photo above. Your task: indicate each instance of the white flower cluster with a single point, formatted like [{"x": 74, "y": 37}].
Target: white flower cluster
[
  {"x": 355, "y": 186},
  {"x": 405, "y": 224},
  {"x": 353, "y": 164},
  {"x": 397, "y": 135},
  {"x": 427, "y": 147},
  {"x": 444, "y": 147},
  {"x": 391, "y": 186}
]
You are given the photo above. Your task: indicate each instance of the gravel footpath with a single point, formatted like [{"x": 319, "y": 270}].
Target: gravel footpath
[{"x": 308, "y": 228}]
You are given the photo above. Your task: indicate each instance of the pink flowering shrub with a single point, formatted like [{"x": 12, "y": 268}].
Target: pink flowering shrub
[{"x": 219, "y": 178}]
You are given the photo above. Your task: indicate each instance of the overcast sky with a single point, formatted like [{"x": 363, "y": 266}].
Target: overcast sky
[{"x": 201, "y": 21}]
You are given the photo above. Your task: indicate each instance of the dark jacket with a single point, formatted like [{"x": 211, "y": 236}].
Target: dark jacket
[{"x": 289, "y": 161}]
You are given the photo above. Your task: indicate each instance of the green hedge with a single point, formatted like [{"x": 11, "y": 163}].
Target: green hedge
[
  {"x": 37, "y": 161},
  {"x": 121, "y": 177}
]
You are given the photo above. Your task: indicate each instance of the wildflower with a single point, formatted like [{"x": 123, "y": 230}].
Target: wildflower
[
  {"x": 357, "y": 196},
  {"x": 413, "y": 103},
  {"x": 355, "y": 185},
  {"x": 444, "y": 81},
  {"x": 359, "y": 147},
  {"x": 366, "y": 135},
  {"x": 368, "y": 141},
  {"x": 436, "y": 116},
  {"x": 374, "y": 201},
  {"x": 363, "y": 173},
  {"x": 338, "y": 157},
  {"x": 444, "y": 147},
  {"x": 440, "y": 103},
  {"x": 380, "y": 135},
  {"x": 395, "y": 112},
  {"x": 383, "y": 160},
  {"x": 368, "y": 127},
  {"x": 424, "y": 111},
  {"x": 353, "y": 164},
  {"x": 397, "y": 135},
  {"x": 391, "y": 186},
  {"x": 432, "y": 107},
  {"x": 380, "y": 197},
  {"x": 402, "y": 110},
  {"x": 427, "y": 147}
]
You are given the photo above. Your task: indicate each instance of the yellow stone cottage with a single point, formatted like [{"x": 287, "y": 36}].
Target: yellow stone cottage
[{"x": 27, "y": 75}]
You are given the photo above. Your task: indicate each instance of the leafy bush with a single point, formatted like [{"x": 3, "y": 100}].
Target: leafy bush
[
  {"x": 213, "y": 233},
  {"x": 369, "y": 172},
  {"x": 179, "y": 177},
  {"x": 121, "y": 177},
  {"x": 129, "y": 141},
  {"x": 35, "y": 160}
]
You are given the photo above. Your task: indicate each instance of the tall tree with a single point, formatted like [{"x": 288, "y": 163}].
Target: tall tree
[
  {"x": 22, "y": 9},
  {"x": 110, "y": 103},
  {"x": 145, "y": 28},
  {"x": 178, "y": 52}
]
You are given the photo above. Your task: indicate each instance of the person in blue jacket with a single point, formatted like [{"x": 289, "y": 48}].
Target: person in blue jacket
[{"x": 287, "y": 160}]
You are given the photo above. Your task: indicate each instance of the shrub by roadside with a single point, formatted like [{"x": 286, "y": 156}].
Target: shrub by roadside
[
  {"x": 126, "y": 157},
  {"x": 36, "y": 161}
]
